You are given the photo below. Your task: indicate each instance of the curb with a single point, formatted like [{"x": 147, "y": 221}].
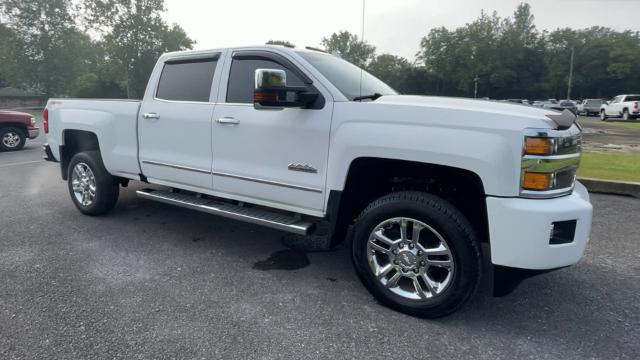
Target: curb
[{"x": 626, "y": 188}]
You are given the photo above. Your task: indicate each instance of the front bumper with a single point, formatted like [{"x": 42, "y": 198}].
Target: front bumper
[
  {"x": 520, "y": 230},
  {"x": 33, "y": 132}
]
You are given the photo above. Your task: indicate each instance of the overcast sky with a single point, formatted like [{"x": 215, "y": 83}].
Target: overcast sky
[{"x": 393, "y": 26}]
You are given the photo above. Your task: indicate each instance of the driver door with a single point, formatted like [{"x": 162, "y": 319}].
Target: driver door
[{"x": 272, "y": 157}]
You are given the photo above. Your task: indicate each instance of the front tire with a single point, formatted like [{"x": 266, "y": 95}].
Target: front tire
[
  {"x": 417, "y": 254},
  {"x": 12, "y": 139},
  {"x": 93, "y": 190},
  {"x": 603, "y": 115}
]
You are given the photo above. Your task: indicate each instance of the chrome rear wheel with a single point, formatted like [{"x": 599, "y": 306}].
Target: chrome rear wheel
[{"x": 83, "y": 183}]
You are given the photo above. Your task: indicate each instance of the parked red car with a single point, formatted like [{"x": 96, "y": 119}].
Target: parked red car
[{"x": 15, "y": 128}]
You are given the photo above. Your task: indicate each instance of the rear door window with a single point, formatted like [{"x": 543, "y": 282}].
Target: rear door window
[
  {"x": 187, "y": 80},
  {"x": 633, "y": 98}
]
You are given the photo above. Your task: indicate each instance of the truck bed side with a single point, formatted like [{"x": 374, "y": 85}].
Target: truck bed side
[{"x": 112, "y": 121}]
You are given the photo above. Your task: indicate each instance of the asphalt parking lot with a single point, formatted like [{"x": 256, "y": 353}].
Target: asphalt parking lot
[{"x": 154, "y": 281}]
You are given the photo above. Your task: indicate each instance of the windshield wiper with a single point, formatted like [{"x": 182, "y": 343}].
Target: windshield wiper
[{"x": 373, "y": 97}]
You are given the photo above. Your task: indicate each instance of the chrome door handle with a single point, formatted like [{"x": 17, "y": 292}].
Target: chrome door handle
[
  {"x": 227, "y": 121},
  {"x": 151, "y": 116}
]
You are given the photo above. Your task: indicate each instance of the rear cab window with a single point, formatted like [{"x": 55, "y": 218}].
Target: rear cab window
[{"x": 187, "y": 80}]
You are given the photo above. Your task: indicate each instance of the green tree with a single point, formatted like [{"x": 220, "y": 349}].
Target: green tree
[
  {"x": 521, "y": 56},
  {"x": 9, "y": 53},
  {"x": 349, "y": 47},
  {"x": 48, "y": 43},
  {"x": 393, "y": 70},
  {"x": 505, "y": 55},
  {"x": 135, "y": 35}
]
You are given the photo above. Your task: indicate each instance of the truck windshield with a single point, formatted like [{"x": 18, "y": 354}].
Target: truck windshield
[{"x": 345, "y": 76}]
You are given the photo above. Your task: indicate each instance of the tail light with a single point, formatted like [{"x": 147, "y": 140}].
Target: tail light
[
  {"x": 636, "y": 105},
  {"x": 45, "y": 121}
]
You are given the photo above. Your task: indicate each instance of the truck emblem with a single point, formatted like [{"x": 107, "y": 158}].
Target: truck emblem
[{"x": 302, "y": 167}]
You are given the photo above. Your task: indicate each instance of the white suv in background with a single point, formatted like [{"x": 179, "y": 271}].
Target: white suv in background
[{"x": 622, "y": 106}]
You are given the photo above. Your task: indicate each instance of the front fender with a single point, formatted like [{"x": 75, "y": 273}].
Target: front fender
[{"x": 494, "y": 155}]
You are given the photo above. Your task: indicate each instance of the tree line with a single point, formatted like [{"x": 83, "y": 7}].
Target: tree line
[
  {"x": 506, "y": 58},
  {"x": 107, "y": 48},
  {"x": 92, "y": 48}
]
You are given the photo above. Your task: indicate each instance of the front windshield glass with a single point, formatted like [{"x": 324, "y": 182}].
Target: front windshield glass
[{"x": 346, "y": 76}]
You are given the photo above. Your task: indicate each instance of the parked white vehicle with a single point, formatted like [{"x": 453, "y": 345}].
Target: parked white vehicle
[
  {"x": 622, "y": 106},
  {"x": 288, "y": 138}
]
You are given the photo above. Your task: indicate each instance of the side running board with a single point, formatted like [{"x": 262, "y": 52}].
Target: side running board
[{"x": 257, "y": 216}]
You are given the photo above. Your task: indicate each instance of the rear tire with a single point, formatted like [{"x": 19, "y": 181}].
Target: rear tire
[
  {"x": 430, "y": 273},
  {"x": 625, "y": 114},
  {"x": 93, "y": 190},
  {"x": 12, "y": 139}
]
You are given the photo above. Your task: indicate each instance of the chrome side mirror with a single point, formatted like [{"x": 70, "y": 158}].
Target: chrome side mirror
[
  {"x": 271, "y": 91},
  {"x": 268, "y": 78}
]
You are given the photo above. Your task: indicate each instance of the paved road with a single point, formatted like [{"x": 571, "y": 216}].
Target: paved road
[{"x": 154, "y": 281}]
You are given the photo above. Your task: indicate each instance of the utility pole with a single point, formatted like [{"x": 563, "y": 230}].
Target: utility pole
[
  {"x": 475, "y": 87},
  {"x": 364, "y": 3},
  {"x": 570, "y": 76}
]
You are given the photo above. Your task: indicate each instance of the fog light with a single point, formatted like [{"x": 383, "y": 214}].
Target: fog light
[
  {"x": 537, "y": 181},
  {"x": 562, "y": 232}
]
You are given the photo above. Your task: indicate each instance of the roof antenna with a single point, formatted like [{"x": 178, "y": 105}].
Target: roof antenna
[{"x": 362, "y": 40}]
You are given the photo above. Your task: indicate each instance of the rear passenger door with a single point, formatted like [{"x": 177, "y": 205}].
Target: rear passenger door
[{"x": 174, "y": 122}]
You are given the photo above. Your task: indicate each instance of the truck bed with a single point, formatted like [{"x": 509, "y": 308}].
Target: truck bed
[{"x": 115, "y": 118}]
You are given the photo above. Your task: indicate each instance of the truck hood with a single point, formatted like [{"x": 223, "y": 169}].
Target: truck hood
[
  {"x": 507, "y": 110},
  {"x": 13, "y": 114}
]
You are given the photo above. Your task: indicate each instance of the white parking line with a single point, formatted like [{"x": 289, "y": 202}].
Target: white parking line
[{"x": 21, "y": 163}]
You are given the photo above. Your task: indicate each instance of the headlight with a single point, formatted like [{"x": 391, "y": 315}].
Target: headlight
[
  {"x": 33, "y": 121},
  {"x": 539, "y": 145},
  {"x": 550, "y": 160}
]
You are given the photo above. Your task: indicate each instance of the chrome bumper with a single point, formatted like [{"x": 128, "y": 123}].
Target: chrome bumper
[{"x": 33, "y": 133}]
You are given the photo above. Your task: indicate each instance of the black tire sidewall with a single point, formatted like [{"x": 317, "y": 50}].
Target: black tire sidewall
[
  {"x": 21, "y": 134},
  {"x": 106, "y": 189},
  {"x": 461, "y": 242}
]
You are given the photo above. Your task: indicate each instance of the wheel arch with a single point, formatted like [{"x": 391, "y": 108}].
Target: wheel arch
[
  {"x": 73, "y": 142},
  {"x": 18, "y": 125},
  {"x": 462, "y": 187}
]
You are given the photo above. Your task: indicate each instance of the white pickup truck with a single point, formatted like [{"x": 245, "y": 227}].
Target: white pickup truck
[
  {"x": 292, "y": 138},
  {"x": 622, "y": 106}
]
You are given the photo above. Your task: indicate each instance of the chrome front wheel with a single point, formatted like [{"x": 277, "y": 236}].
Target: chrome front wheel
[
  {"x": 410, "y": 258},
  {"x": 416, "y": 253},
  {"x": 83, "y": 183},
  {"x": 11, "y": 139}
]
